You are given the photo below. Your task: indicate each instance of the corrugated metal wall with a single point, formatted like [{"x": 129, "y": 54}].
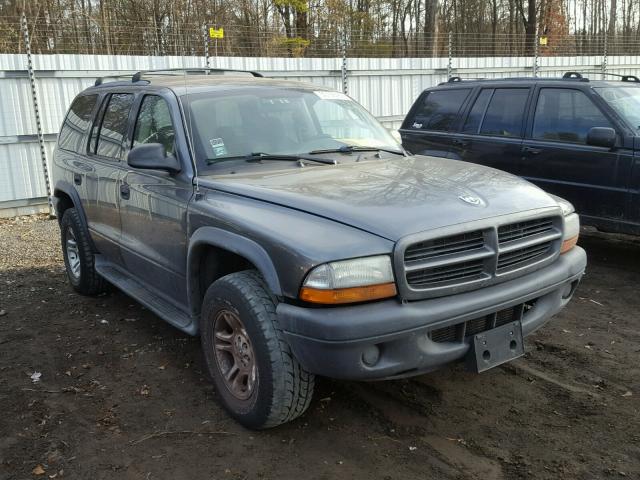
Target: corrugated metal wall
[{"x": 385, "y": 86}]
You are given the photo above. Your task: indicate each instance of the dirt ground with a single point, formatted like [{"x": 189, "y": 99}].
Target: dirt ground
[{"x": 122, "y": 395}]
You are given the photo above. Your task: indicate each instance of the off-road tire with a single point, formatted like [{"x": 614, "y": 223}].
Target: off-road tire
[
  {"x": 88, "y": 282},
  {"x": 283, "y": 388}
]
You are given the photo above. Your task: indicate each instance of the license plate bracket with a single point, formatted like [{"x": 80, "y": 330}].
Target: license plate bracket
[{"x": 495, "y": 347}]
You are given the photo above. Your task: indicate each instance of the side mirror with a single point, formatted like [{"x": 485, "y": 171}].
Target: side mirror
[
  {"x": 152, "y": 156},
  {"x": 602, "y": 137}
]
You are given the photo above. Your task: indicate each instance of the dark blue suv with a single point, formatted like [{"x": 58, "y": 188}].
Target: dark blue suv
[{"x": 574, "y": 137}]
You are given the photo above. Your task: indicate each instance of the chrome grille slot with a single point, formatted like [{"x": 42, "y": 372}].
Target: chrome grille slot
[
  {"x": 444, "y": 246},
  {"x": 446, "y": 274},
  {"x": 517, "y": 231},
  {"x": 522, "y": 256}
]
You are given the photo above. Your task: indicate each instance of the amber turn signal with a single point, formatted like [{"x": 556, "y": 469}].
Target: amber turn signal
[
  {"x": 348, "y": 295},
  {"x": 568, "y": 244}
]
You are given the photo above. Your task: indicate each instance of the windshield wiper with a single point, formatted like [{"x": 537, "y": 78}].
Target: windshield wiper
[
  {"x": 356, "y": 148},
  {"x": 259, "y": 156}
]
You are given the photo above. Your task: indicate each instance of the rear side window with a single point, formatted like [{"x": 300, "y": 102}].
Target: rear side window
[
  {"x": 76, "y": 123},
  {"x": 438, "y": 110},
  {"x": 114, "y": 125},
  {"x": 505, "y": 112},
  {"x": 566, "y": 115}
]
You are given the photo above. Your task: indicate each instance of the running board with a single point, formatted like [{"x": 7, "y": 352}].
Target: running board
[{"x": 138, "y": 291}]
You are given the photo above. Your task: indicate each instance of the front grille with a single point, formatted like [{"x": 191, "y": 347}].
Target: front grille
[
  {"x": 462, "y": 261},
  {"x": 460, "y": 331}
]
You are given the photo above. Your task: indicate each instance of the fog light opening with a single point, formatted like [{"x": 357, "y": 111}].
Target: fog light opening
[
  {"x": 371, "y": 355},
  {"x": 486, "y": 355}
]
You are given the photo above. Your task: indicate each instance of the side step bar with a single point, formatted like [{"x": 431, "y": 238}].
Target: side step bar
[{"x": 138, "y": 291}]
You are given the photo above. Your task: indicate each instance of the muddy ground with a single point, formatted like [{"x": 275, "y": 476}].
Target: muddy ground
[{"x": 122, "y": 395}]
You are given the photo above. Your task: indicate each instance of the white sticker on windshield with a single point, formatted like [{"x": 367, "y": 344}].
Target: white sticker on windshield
[
  {"x": 330, "y": 95},
  {"x": 218, "y": 147}
]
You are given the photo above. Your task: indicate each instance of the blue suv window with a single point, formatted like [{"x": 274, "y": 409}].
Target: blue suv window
[
  {"x": 439, "y": 109},
  {"x": 566, "y": 115},
  {"x": 505, "y": 112}
]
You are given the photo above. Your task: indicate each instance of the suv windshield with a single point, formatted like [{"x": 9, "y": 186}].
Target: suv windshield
[
  {"x": 234, "y": 124},
  {"x": 625, "y": 101}
]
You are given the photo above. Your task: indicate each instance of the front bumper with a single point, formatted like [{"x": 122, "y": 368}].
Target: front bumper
[{"x": 335, "y": 342}]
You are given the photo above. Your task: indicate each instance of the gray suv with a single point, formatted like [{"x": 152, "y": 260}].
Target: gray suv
[{"x": 284, "y": 225}]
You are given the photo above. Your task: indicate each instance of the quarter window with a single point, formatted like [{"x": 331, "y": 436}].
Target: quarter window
[
  {"x": 439, "y": 110},
  {"x": 114, "y": 126},
  {"x": 566, "y": 115},
  {"x": 505, "y": 112},
  {"x": 154, "y": 124},
  {"x": 76, "y": 123}
]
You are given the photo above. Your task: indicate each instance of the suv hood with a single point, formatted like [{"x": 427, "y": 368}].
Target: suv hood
[{"x": 390, "y": 198}]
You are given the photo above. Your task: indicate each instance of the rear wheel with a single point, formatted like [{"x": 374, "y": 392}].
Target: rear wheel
[
  {"x": 257, "y": 378},
  {"x": 78, "y": 255}
]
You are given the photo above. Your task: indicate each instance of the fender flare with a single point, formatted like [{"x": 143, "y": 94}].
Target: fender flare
[
  {"x": 216, "y": 237},
  {"x": 68, "y": 189}
]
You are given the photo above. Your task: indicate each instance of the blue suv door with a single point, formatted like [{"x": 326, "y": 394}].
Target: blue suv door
[
  {"x": 556, "y": 155},
  {"x": 493, "y": 129}
]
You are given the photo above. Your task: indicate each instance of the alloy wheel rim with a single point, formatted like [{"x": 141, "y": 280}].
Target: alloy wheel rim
[
  {"x": 234, "y": 354},
  {"x": 73, "y": 254}
]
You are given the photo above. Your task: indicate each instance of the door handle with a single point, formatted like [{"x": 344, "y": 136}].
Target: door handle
[
  {"x": 531, "y": 150},
  {"x": 125, "y": 191},
  {"x": 77, "y": 178},
  {"x": 460, "y": 143}
]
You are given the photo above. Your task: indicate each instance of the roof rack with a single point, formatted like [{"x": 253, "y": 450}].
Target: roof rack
[
  {"x": 138, "y": 76},
  {"x": 459, "y": 79},
  {"x": 623, "y": 78},
  {"x": 190, "y": 71}
]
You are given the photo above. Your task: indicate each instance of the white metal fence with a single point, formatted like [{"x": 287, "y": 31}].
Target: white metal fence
[{"x": 385, "y": 86}]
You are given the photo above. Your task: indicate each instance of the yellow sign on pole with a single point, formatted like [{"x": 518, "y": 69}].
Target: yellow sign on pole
[
  {"x": 216, "y": 32},
  {"x": 543, "y": 40}
]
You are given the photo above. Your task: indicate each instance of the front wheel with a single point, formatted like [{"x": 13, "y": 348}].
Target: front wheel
[
  {"x": 78, "y": 255},
  {"x": 256, "y": 376}
]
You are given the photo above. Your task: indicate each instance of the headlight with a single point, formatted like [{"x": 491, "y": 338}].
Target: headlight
[
  {"x": 349, "y": 281},
  {"x": 571, "y": 224}
]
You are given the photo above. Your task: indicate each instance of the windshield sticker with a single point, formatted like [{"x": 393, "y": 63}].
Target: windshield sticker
[
  {"x": 219, "y": 149},
  {"x": 325, "y": 95}
]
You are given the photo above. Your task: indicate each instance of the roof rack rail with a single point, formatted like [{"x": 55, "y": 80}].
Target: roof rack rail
[
  {"x": 189, "y": 71},
  {"x": 623, "y": 78}
]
